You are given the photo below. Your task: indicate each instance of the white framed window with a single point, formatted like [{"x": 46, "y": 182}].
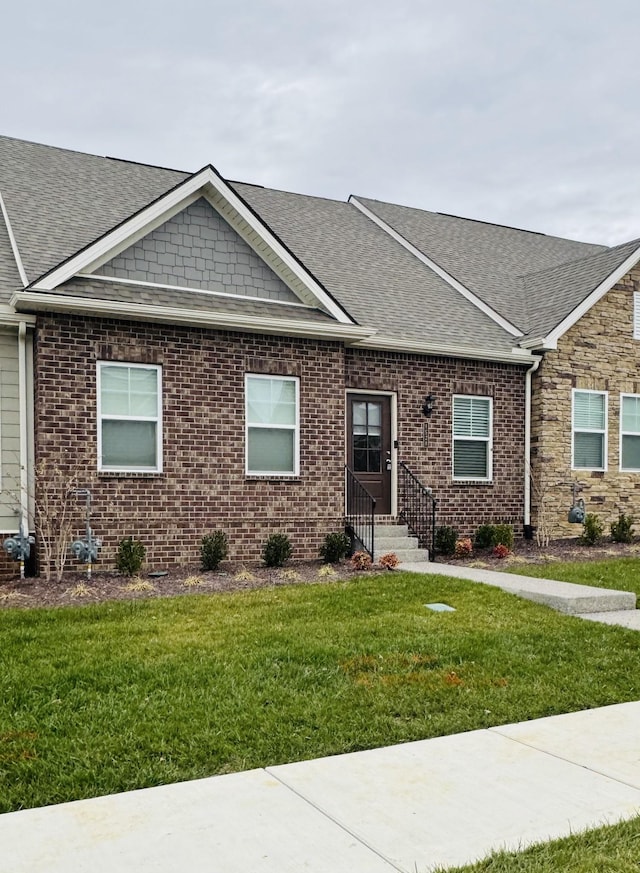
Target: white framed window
[
  {"x": 472, "y": 438},
  {"x": 272, "y": 422},
  {"x": 630, "y": 432},
  {"x": 129, "y": 417},
  {"x": 636, "y": 314},
  {"x": 589, "y": 426}
]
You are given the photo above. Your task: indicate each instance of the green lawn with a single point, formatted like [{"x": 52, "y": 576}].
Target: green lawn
[
  {"x": 100, "y": 699},
  {"x": 614, "y": 849},
  {"x": 620, "y": 573}
]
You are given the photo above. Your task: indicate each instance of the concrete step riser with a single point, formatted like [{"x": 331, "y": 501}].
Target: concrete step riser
[
  {"x": 410, "y": 555},
  {"x": 391, "y": 543},
  {"x": 392, "y": 530}
]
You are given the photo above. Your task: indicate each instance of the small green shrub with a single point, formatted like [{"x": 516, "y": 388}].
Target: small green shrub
[
  {"x": 592, "y": 531},
  {"x": 485, "y": 536},
  {"x": 445, "y": 540},
  {"x": 130, "y": 556},
  {"x": 213, "y": 549},
  {"x": 622, "y": 529},
  {"x": 335, "y": 547},
  {"x": 277, "y": 550},
  {"x": 503, "y": 535}
]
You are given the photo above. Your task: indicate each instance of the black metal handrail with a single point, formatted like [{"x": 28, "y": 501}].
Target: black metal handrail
[
  {"x": 417, "y": 508},
  {"x": 360, "y": 514}
]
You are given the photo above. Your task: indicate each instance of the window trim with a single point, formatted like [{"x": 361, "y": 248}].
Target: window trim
[
  {"x": 623, "y": 432},
  {"x": 604, "y": 431},
  {"x": 286, "y": 474},
  {"x": 102, "y": 468},
  {"x": 488, "y": 439}
]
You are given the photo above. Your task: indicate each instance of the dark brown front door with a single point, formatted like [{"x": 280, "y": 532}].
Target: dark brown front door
[{"x": 369, "y": 445}]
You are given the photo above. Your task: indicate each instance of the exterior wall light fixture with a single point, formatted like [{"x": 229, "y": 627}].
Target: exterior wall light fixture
[{"x": 427, "y": 406}]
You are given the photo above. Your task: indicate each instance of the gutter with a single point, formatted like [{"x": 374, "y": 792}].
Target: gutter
[
  {"x": 34, "y": 301},
  {"x": 24, "y": 452},
  {"x": 392, "y": 344},
  {"x": 527, "y": 441}
]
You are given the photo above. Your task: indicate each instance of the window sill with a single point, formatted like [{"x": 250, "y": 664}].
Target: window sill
[
  {"x": 271, "y": 477},
  {"x": 130, "y": 474},
  {"x": 472, "y": 481}
]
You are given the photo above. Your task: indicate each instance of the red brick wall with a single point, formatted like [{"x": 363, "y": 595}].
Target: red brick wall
[
  {"x": 204, "y": 487},
  {"x": 425, "y": 445}
]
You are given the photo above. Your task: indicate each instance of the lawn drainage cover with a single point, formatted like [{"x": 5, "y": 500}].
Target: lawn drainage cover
[{"x": 439, "y": 607}]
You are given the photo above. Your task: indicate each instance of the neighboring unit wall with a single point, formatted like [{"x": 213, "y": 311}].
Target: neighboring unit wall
[
  {"x": 598, "y": 353},
  {"x": 425, "y": 445},
  {"x": 203, "y": 485},
  {"x": 9, "y": 432}
]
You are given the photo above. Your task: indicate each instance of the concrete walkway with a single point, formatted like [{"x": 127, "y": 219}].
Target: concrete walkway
[
  {"x": 585, "y": 601},
  {"x": 408, "y": 808}
]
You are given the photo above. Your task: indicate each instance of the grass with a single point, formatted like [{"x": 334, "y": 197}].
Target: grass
[
  {"x": 620, "y": 573},
  {"x": 614, "y": 849},
  {"x": 105, "y": 698}
]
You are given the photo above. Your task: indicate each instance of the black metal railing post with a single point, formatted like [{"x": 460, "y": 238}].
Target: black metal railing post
[
  {"x": 417, "y": 508},
  {"x": 360, "y": 514}
]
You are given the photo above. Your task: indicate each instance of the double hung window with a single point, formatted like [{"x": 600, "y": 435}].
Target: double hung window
[
  {"x": 630, "y": 432},
  {"x": 129, "y": 417},
  {"x": 472, "y": 438},
  {"x": 272, "y": 425},
  {"x": 589, "y": 430}
]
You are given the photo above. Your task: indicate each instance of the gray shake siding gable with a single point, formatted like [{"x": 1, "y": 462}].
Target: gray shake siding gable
[{"x": 198, "y": 249}]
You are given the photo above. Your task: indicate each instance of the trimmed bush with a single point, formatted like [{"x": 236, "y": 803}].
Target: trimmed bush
[
  {"x": 213, "y": 549},
  {"x": 464, "y": 548},
  {"x": 622, "y": 529},
  {"x": 389, "y": 561},
  {"x": 277, "y": 550},
  {"x": 503, "y": 535},
  {"x": 485, "y": 536},
  {"x": 592, "y": 531},
  {"x": 130, "y": 556},
  {"x": 500, "y": 551},
  {"x": 445, "y": 540},
  {"x": 335, "y": 547}
]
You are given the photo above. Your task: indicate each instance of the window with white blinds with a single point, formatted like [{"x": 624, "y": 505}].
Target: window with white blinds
[
  {"x": 472, "y": 437},
  {"x": 589, "y": 430},
  {"x": 630, "y": 432}
]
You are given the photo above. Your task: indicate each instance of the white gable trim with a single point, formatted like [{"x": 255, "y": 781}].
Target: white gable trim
[
  {"x": 207, "y": 183},
  {"x": 551, "y": 340},
  {"x": 459, "y": 287},
  {"x": 14, "y": 244}
]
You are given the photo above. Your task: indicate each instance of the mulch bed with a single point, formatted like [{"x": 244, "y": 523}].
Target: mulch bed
[{"x": 104, "y": 586}]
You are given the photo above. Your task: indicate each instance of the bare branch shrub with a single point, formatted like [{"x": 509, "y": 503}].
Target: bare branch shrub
[{"x": 55, "y": 503}]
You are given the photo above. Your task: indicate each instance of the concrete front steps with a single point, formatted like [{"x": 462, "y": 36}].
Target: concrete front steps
[{"x": 397, "y": 539}]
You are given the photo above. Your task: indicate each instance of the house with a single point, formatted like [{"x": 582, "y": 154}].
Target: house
[{"x": 208, "y": 354}]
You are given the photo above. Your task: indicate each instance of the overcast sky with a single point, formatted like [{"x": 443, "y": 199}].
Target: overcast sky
[{"x": 520, "y": 112}]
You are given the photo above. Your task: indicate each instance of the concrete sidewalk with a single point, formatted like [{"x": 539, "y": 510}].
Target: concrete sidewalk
[
  {"x": 407, "y": 808},
  {"x": 598, "y": 604}
]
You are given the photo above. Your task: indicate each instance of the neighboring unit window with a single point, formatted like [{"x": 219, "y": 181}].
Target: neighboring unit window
[
  {"x": 630, "y": 432},
  {"x": 636, "y": 314},
  {"x": 129, "y": 418},
  {"x": 589, "y": 430},
  {"x": 472, "y": 433},
  {"x": 272, "y": 422}
]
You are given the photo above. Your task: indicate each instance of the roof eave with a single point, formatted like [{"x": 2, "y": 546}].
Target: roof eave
[
  {"x": 36, "y": 301},
  {"x": 381, "y": 343}
]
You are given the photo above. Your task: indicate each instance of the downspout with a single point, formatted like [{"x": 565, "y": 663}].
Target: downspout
[
  {"x": 527, "y": 444},
  {"x": 24, "y": 452}
]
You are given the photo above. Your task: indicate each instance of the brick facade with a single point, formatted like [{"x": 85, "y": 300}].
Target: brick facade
[
  {"x": 598, "y": 353},
  {"x": 204, "y": 486}
]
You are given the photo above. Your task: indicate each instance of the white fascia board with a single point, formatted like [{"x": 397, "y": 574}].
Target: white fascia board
[
  {"x": 436, "y": 268},
  {"x": 163, "y": 209},
  {"x": 551, "y": 340},
  {"x": 13, "y": 243},
  {"x": 391, "y": 344},
  {"x": 43, "y": 302},
  {"x": 10, "y": 318}
]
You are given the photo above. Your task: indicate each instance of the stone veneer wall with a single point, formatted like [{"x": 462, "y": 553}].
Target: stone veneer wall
[
  {"x": 598, "y": 353},
  {"x": 204, "y": 486}
]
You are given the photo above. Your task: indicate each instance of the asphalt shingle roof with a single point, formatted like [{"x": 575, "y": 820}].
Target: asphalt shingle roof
[{"x": 60, "y": 201}]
